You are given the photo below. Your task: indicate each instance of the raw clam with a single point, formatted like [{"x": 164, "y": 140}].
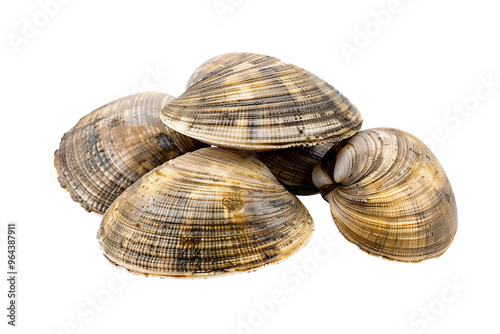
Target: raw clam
[
  {"x": 255, "y": 102},
  {"x": 293, "y": 166},
  {"x": 113, "y": 146},
  {"x": 210, "y": 212},
  {"x": 389, "y": 195}
]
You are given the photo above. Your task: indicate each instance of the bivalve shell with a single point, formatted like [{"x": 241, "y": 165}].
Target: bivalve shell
[
  {"x": 293, "y": 166},
  {"x": 113, "y": 146},
  {"x": 389, "y": 195},
  {"x": 254, "y": 102},
  {"x": 210, "y": 212}
]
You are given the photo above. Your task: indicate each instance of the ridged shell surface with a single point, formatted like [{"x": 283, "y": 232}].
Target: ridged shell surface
[
  {"x": 293, "y": 166},
  {"x": 113, "y": 146},
  {"x": 210, "y": 212},
  {"x": 389, "y": 195},
  {"x": 254, "y": 102}
]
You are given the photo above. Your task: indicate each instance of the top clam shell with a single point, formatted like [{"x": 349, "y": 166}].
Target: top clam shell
[
  {"x": 113, "y": 146},
  {"x": 210, "y": 212},
  {"x": 389, "y": 195},
  {"x": 255, "y": 102}
]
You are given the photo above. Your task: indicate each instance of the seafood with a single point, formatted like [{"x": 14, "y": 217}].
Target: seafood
[
  {"x": 210, "y": 212},
  {"x": 254, "y": 102},
  {"x": 113, "y": 146},
  {"x": 293, "y": 166},
  {"x": 389, "y": 195}
]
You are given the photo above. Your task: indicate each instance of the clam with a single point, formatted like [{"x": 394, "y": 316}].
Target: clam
[
  {"x": 210, "y": 212},
  {"x": 113, "y": 146},
  {"x": 389, "y": 195},
  {"x": 293, "y": 166},
  {"x": 254, "y": 102}
]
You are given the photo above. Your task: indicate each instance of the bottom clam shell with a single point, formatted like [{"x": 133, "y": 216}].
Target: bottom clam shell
[
  {"x": 293, "y": 166},
  {"x": 210, "y": 212}
]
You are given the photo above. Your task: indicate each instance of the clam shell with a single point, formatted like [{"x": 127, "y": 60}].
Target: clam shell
[
  {"x": 113, "y": 146},
  {"x": 255, "y": 102},
  {"x": 209, "y": 212},
  {"x": 389, "y": 195},
  {"x": 293, "y": 166}
]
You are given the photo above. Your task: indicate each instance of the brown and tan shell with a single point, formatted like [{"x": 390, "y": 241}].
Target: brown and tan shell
[
  {"x": 254, "y": 102},
  {"x": 293, "y": 166},
  {"x": 389, "y": 195},
  {"x": 113, "y": 146},
  {"x": 210, "y": 212}
]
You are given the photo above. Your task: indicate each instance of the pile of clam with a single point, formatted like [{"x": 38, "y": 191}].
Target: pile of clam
[{"x": 174, "y": 205}]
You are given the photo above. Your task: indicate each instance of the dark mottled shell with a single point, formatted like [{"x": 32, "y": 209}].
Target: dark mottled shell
[
  {"x": 113, "y": 146},
  {"x": 293, "y": 166},
  {"x": 210, "y": 212},
  {"x": 254, "y": 102},
  {"x": 389, "y": 195}
]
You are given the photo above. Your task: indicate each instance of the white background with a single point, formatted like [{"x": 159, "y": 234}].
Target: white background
[{"x": 428, "y": 57}]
